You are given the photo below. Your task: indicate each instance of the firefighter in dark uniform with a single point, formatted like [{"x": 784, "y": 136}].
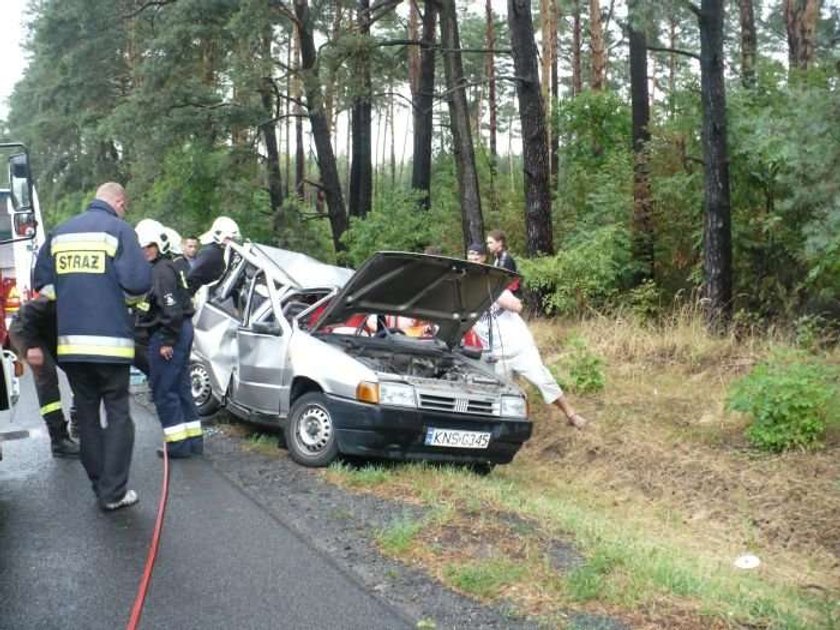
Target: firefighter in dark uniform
[
  {"x": 210, "y": 264},
  {"x": 34, "y": 335},
  {"x": 93, "y": 265},
  {"x": 182, "y": 265},
  {"x": 168, "y": 318}
]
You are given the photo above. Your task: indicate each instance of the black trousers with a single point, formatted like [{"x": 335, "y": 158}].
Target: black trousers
[{"x": 106, "y": 452}]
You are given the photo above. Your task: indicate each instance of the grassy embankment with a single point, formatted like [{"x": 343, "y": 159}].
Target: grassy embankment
[{"x": 640, "y": 516}]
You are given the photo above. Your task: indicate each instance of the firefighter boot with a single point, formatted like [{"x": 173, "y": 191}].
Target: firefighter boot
[{"x": 61, "y": 444}]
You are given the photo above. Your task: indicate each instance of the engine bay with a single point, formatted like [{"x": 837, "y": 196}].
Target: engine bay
[
  {"x": 421, "y": 362},
  {"x": 443, "y": 368}
]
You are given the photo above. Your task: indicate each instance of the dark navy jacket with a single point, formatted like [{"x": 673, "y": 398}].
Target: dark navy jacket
[
  {"x": 167, "y": 304},
  {"x": 209, "y": 266},
  {"x": 94, "y": 266}
]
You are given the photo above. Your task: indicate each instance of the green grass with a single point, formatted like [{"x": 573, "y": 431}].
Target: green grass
[
  {"x": 588, "y": 582},
  {"x": 398, "y": 537},
  {"x": 484, "y": 578},
  {"x": 263, "y": 442},
  {"x": 365, "y": 477},
  {"x": 628, "y": 567}
]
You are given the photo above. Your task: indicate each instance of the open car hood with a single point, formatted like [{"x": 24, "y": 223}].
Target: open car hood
[{"x": 449, "y": 292}]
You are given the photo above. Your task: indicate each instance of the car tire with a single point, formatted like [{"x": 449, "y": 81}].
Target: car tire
[
  {"x": 205, "y": 402},
  {"x": 310, "y": 431}
]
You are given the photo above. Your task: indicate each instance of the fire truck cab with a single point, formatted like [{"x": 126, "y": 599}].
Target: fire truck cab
[{"x": 20, "y": 238}]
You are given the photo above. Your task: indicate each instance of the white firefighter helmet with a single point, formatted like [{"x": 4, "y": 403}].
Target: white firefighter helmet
[
  {"x": 222, "y": 229},
  {"x": 150, "y": 231},
  {"x": 174, "y": 240}
]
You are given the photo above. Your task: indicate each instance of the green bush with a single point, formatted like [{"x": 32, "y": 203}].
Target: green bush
[
  {"x": 644, "y": 301},
  {"x": 586, "y": 275},
  {"x": 582, "y": 371},
  {"x": 395, "y": 223},
  {"x": 788, "y": 398}
]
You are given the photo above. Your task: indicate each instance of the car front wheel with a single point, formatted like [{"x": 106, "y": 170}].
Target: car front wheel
[
  {"x": 202, "y": 394},
  {"x": 310, "y": 431}
]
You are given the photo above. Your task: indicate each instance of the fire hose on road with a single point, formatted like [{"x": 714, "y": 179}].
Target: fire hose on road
[{"x": 146, "y": 579}]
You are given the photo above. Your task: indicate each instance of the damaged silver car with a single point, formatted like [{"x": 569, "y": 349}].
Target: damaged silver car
[{"x": 364, "y": 364}]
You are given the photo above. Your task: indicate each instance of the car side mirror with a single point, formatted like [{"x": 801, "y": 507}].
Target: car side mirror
[{"x": 267, "y": 328}]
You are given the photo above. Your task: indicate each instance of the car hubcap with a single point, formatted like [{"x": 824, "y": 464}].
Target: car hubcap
[
  {"x": 314, "y": 428},
  {"x": 200, "y": 384}
]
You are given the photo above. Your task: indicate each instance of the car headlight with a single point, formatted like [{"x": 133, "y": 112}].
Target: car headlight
[
  {"x": 514, "y": 407},
  {"x": 398, "y": 394}
]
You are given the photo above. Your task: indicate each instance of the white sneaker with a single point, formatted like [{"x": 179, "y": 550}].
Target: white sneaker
[{"x": 129, "y": 498}]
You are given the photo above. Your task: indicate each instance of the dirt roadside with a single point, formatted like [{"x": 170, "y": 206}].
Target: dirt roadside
[{"x": 343, "y": 526}]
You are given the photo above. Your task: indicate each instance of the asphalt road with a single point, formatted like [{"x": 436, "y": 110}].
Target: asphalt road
[{"x": 224, "y": 562}]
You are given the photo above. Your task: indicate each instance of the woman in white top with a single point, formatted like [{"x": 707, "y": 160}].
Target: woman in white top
[{"x": 505, "y": 335}]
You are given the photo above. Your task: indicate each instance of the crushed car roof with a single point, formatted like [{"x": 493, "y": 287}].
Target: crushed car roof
[
  {"x": 303, "y": 271},
  {"x": 449, "y": 292}
]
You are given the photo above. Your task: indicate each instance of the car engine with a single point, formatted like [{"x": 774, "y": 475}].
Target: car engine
[{"x": 445, "y": 368}]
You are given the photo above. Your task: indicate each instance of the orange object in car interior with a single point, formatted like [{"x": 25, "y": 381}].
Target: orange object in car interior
[{"x": 19, "y": 368}]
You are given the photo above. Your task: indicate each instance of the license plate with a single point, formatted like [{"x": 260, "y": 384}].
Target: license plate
[{"x": 453, "y": 438}]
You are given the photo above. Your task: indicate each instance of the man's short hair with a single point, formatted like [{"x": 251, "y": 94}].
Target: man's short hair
[
  {"x": 477, "y": 248},
  {"x": 191, "y": 237}
]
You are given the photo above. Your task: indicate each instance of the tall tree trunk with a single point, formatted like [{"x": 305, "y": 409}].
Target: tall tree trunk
[
  {"x": 361, "y": 169},
  {"x": 717, "y": 232},
  {"x": 801, "y": 25},
  {"x": 300, "y": 155},
  {"x": 413, "y": 51},
  {"x": 423, "y": 109},
  {"x": 268, "y": 129},
  {"x": 462, "y": 145},
  {"x": 287, "y": 122},
  {"x": 329, "y": 84},
  {"x": 577, "y": 74},
  {"x": 320, "y": 129},
  {"x": 672, "y": 63},
  {"x": 490, "y": 71},
  {"x": 642, "y": 223},
  {"x": 269, "y": 98},
  {"x": 538, "y": 229},
  {"x": 549, "y": 35},
  {"x": 596, "y": 44},
  {"x": 492, "y": 107},
  {"x": 554, "y": 148},
  {"x": 545, "y": 59},
  {"x": 393, "y": 137},
  {"x": 748, "y": 43}
]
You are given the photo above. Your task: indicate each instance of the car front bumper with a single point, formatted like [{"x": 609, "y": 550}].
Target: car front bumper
[{"x": 400, "y": 433}]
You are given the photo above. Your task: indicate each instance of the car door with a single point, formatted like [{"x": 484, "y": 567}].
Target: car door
[
  {"x": 216, "y": 322},
  {"x": 262, "y": 344}
]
